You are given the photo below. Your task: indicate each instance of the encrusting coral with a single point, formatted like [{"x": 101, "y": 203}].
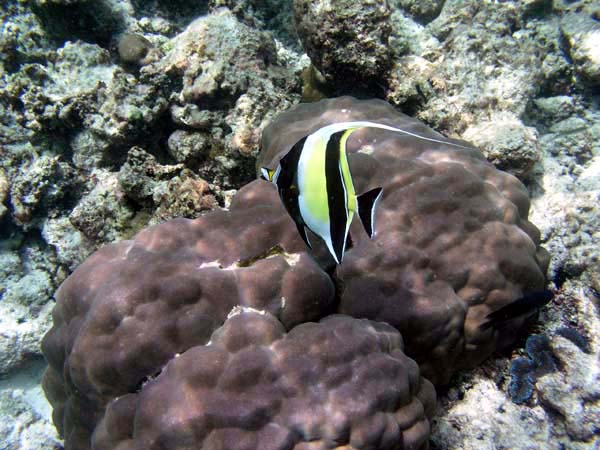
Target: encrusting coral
[{"x": 452, "y": 245}]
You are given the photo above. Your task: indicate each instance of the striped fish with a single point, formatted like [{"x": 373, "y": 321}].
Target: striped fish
[{"x": 316, "y": 188}]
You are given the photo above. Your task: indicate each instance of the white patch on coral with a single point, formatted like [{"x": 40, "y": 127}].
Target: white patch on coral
[
  {"x": 244, "y": 309},
  {"x": 207, "y": 265},
  {"x": 291, "y": 259},
  {"x": 367, "y": 149}
]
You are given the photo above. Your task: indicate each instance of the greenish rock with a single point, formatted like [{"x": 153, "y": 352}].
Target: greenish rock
[
  {"x": 128, "y": 108},
  {"x": 185, "y": 195},
  {"x": 423, "y": 11},
  {"x": 56, "y": 96},
  {"x": 273, "y": 15},
  {"x": 104, "y": 215},
  {"x": 189, "y": 147},
  {"x": 30, "y": 424},
  {"x": 553, "y": 109},
  {"x": 140, "y": 175},
  {"x": 582, "y": 33},
  {"x": 347, "y": 41},
  {"x": 164, "y": 191},
  {"x": 40, "y": 186},
  {"x": 29, "y": 276},
  {"x": 571, "y": 140},
  {"x": 23, "y": 39},
  {"x": 470, "y": 62},
  {"x": 89, "y": 150},
  {"x": 507, "y": 143},
  {"x": 193, "y": 116},
  {"x": 70, "y": 245},
  {"x": 573, "y": 391},
  {"x": 412, "y": 81},
  {"x": 232, "y": 80}
]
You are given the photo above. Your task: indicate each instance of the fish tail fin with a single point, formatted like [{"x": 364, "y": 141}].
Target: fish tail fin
[{"x": 366, "y": 209}]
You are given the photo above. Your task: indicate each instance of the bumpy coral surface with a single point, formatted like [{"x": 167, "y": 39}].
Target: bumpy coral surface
[
  {"x": 132, "y": 306},
  {"x": 339, "y": 383},
  {"x": 452, "y": 238}
]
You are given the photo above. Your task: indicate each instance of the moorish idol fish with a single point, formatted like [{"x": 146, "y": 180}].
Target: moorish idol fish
[
  {"x": 315, "y": 185},
  {"x": 522, "y": 306}
]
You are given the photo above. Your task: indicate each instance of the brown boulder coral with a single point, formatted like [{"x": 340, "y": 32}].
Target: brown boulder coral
[
  {"x": 340, "y": 383},
  {"x": 132, "y": 306},
  {"x": 453, "y": 242}
]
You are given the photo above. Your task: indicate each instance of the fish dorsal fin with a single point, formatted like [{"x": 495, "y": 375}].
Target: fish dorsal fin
[
  {"x": 366, "y": 209},
  {"x": 342, "y": 126}
]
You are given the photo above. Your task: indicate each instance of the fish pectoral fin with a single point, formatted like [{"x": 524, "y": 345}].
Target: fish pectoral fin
[
  {"x": 366, "y": 209},
  {"x": 303, "y": 233}
]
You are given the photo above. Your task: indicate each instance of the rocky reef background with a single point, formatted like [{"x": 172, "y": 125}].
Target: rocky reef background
[{"x": 119, "y": 114}]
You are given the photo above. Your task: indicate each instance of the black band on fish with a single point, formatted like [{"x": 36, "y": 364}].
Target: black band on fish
[
  {"x": 336, "y": 194},
  {"x": 287, "y": 186}
]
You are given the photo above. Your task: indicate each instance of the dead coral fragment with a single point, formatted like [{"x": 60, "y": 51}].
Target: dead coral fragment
[{"x": 136, "y": 49}]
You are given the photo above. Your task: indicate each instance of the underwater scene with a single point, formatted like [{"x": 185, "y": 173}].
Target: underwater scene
[{"x": 299, "y": 224}]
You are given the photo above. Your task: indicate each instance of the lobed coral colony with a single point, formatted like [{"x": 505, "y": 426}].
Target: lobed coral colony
[{"x": 228, "y": 332}]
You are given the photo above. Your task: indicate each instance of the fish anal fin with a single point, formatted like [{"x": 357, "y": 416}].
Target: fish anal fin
[
  {"x": 366, "y": 209},
  {"x": 303, "y": 233},
  {"x": 349, "y": 242}
]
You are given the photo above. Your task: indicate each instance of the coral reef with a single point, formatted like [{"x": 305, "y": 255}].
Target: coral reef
[
  {"x": 274, "y": 15},
  {"x": 517, "y": 79},
  {"x": 27, "y": 282},
  {"x": 579, "y": 25},
  {"x": 225, "y": 92},
  {"x": 561, "y": 411}
]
